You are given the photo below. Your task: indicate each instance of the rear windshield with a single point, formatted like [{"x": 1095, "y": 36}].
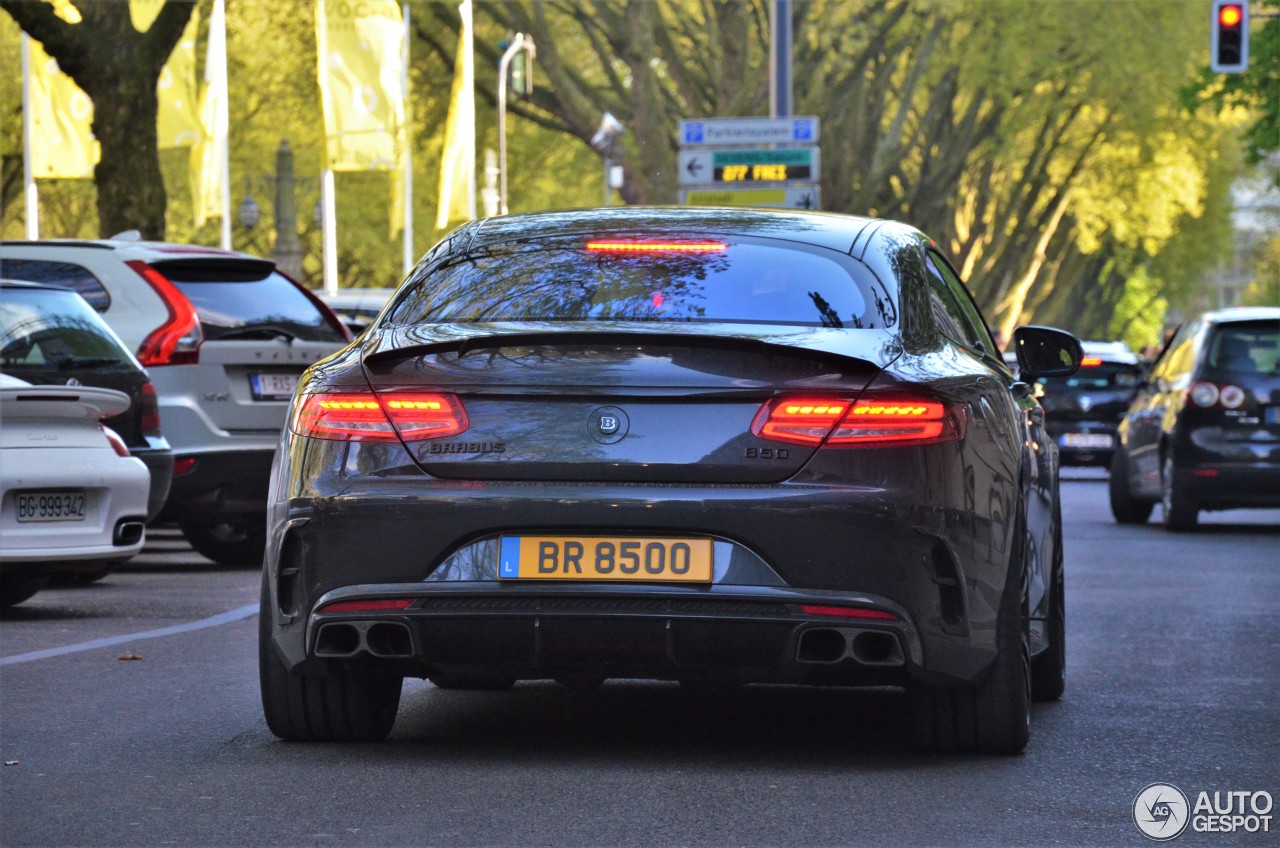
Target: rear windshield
[
  {"x": 1105, "y": 375},
  {"x": 45, "y": 332},
  {"x": 249, "y": 301},
  {"x": 1244, "y": 349},
  {"x": 748, "y": 282}
]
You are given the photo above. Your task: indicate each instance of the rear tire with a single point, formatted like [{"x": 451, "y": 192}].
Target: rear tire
[
  {"x": 1180, "y": 511},
  {"x": 1125, "y": 508},
  {"x": 15, "y": 590},
  {"x": 1049, "y": 669},
  {"x": 227, "y": 540},
  {"x": 331, "y": 702},
  {"x": 993, "y": 716}
]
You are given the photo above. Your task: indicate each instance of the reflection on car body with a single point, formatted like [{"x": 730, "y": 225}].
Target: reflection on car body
[{"x": 714, "y": 446}]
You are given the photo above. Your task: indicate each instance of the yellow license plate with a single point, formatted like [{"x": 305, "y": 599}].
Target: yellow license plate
[{"x": 605, "y": 558}]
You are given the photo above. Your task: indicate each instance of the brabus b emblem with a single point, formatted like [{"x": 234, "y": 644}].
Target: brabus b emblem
[{"x": 608, "y": 425}]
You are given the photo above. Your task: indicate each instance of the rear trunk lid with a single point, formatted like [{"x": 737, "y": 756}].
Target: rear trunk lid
[{"x": 617, "y": 402}]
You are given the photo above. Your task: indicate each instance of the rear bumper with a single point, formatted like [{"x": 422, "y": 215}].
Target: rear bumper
[
  {"x": 1230, "y": 486},
  {"x": 159, "y": 462},
  {"x": 731, "y": 636},
  {"x": 220, "y": 483}
]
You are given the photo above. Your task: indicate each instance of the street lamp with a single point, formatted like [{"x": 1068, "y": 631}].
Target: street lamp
[
  {"x": 520, "y": 42},
  {"x": 604, "y": 141}
]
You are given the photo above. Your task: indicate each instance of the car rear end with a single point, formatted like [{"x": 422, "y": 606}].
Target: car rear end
[
  {"x": 1226, "y": 444},
  {"x": 1082, "y": 411},
  {"x": 225, "y": 355},
  {"x": 619, "y": 476}
]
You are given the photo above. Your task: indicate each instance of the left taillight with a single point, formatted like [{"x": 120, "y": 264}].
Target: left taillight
[
  {"x": 176, "y": 341},
  {"x": 113, "y": 439},
  {"x": 866, "y": 422},
  {"x": 369, "y": 417}
]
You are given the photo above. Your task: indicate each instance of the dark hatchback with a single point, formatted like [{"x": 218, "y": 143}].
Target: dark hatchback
[
  {"x": 1083, "y": 410},
  {"x": 50, "y": 335},
  {"x": 1203, "y": 432},
  {"x": 713, "y": 446}
]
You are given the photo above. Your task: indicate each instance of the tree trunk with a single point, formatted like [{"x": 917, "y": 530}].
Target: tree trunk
[{"x": 117, "y": 67}]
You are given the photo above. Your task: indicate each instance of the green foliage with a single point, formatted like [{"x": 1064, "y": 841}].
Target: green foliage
[{"x": 1265, "y": 288}]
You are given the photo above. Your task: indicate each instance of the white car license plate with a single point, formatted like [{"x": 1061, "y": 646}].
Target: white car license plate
[
  {"x": 1102, "y": 441},
  {"x": 51, "y": 506},
  {"x": 273, "y": 386}
]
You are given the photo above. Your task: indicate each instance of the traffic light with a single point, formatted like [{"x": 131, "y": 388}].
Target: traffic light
[{"x": 1229, "y": 42}]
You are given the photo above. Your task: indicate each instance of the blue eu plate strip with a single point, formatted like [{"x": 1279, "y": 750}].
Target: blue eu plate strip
[{"x": 509, "y": 557}]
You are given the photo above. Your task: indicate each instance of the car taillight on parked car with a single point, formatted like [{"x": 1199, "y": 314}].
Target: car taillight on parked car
[
  {"x": 150, "y": 411},
  {"x": 113, "y": 439},
  {"x": 368, "y": 417},
  {"x": 177, "y": 341},
  {"x": 866, "y": 422},
  {"x": 1208, "y": 395}
]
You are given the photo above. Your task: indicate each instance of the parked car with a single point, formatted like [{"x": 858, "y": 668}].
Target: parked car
[
  {"x": 357, "y": 307},
  {"x": 50, "y": 336},
  {"x": 1203, "y": 432},
  {"x": 225, "y": 337},
  {"x": 708, "y": 445},
  {"x": 72, "y": 499},
  {"x": 1083, "y": 410}
]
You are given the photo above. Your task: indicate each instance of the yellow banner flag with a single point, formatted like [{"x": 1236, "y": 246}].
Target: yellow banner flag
[
  {"x": 359, "y": 48},
  {"x": 205, "y": 168},
  {"x": 177, "y": 123},
  {"x": 62, "y": 142},
  {"x": 458, "y": 165}
]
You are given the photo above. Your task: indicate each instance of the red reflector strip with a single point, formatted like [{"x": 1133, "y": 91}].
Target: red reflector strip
[
  {"x": 183, "y": 465},
  {"x": 368, "y": 606},
  {"x": 655, "y": 246},
  {"x": 1205, "y": 472},
  {"x": 849, "y": 612}
]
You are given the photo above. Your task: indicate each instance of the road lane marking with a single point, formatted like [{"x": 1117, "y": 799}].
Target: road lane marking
[{"x": 214, "y": 621}]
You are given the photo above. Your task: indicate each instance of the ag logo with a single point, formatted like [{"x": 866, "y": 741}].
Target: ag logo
[{"x": 1161, "y": 811}]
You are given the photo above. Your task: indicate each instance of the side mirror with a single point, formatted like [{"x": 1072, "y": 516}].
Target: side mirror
[{"x": 1046, "y": 352}]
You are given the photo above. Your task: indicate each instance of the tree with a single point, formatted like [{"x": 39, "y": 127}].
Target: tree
[{"x": 117, "y": 67}]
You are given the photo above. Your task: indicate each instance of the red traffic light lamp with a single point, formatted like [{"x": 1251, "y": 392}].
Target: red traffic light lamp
[{"x": 1229, "y": 36}]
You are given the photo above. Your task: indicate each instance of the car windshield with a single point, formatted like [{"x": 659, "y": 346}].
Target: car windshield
[
  {"x": 702, "y": 280},
  {"x": 1245, "y": 349},
  {"x": 249, "y": 301},
  {"x": 44, "y": 332}
]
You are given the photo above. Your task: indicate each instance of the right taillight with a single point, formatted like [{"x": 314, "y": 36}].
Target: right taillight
[
  {"x": 368, "y": 417},
  {"x": 866, "y": 422},
  {"x": 113, "y": 439},
  {"x": 177, "y": 341},
  {"x": 150, "y": 411}
]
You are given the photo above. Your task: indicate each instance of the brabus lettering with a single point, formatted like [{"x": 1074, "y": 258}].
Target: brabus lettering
[{"x": 439, "y": 448}]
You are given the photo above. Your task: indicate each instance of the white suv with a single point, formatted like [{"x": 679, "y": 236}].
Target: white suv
[{"x": 224, "y": 337}]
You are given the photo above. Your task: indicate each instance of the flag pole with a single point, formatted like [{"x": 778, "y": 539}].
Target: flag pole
[
  {"x": 329, "y": 226},
  {"x": 407, "y": 152},
  {"x": 222, "y": 123},
  {"x": 30, "y": 193}
]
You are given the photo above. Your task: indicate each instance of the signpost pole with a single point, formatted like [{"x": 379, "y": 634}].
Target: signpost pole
[{"x": 780, "y": 58}]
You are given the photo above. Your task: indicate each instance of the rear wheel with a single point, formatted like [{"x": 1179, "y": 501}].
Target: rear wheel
[
  {"x": 15, "y": 590},
  {"x": 1125, "y": 508},
  {"x": 994, "y": 716},
  {"x": 333, "y": 702},
  {"x": 1049, "y": 669},
  {"x": 227, "y": 540},
  {"x": 1180, "y": 511}
]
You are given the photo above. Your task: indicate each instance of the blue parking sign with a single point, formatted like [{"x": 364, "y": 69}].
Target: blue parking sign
[
  {"x": 802, "y": 130},
  {"x": 693, "y": 133}
]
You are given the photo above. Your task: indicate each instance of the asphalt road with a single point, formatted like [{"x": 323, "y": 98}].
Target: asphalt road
[{"x": 1173, "y": 677}]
